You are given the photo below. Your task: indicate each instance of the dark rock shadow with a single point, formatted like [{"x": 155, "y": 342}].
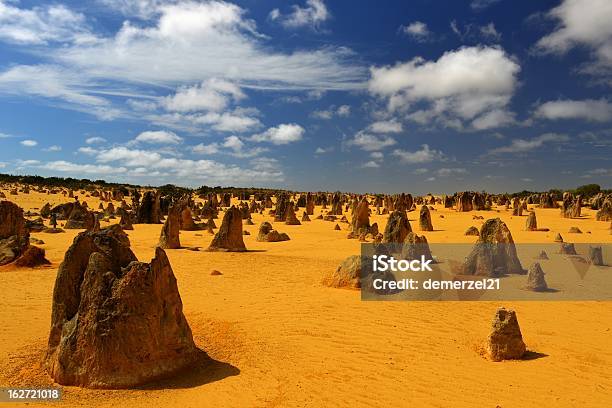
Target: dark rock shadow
[
  {"x": 533, "y": 355},
  {"x": 204, "y": 370}
]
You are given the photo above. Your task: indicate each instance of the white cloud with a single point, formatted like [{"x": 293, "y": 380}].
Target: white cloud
[
  {"x": 377, "y": 155},
  {"x": 41, "y": 24},
  {"x": 158, "y": 137},
  {"x": 493, "y": 119},
  {"x": 211, "y": 95},
  {"x": 523, "y": 146},
  {"x": 207, "y": 149},
  {"x": 343, "y": 111},
  {"x": 95, "y": 140},
  {"x": 324, "y": 150},
  {"x": 29, "y": 143},
  {"x": 327, "y": 114},
  {"x": 585, "y": 22},
  {"x": 55, "y": 82},
  {"x": 416, "y": 30},
  {"x": 582, "y": 23},
  {"x": 420, "y": 171},
  {"x": 190, "y": 42},
  {"x": 69, "y": 167},
  {"x": 425, "y": 155},
  {"x": 281, "y": 134},
  {"x": 313, "y": 15},
  {"x": 460, "y": 86},
  {"x": 386, "y": 126},
  {"x": 595, "y": 110},
  {"x": 238, "y": 120},
  {"x": 232, "y": 145},
  {"x": 53, "y": 148},
  {"x": 369, "y": 142},
  {"x": 371, "y": 164},
  {"x": 87, "y": 150}
]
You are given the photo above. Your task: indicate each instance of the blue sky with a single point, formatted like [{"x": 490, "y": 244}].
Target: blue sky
[{"x": 420, "y": 96}]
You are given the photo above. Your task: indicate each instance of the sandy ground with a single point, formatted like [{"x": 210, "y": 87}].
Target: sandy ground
[{"x": 277, "y": 337}]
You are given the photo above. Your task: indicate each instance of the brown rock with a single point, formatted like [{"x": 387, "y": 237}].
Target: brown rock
[
  {"x": 229, "y": 236},
  {"x": 494, "y": 254},
  {"x": 531, "y": 224},
  {"x": 535, "y": 279},
  {"x": 505, "y": 341},
  {"x": 360, "y": 223},
  {"x": 347, "y": 275},
  {"x": 574, "y": 230},
  {"x": 397, "y": 227},
  {"x": 268, "y": 234},
  {"x": 596, "y": 256},
  {"x": 31, "y": 257},
  {"x": 290, "y": 217},
  {"x": 116, "y": 322},
  {"x": 169, "y": 236},
  {"x": 472, "y": 231},
  {"x": 425, "y": 219},
  {"x": 558, "y": 238}
]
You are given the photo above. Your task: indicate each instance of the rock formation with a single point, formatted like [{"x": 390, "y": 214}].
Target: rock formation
[
  {"x": 531, "y": 224},
  {"x": 126, "y": 220},
  {"x": 596, "y": 256},
  {"x": 14, "y": 236},
  {"x": 347, "y": 275},
  {"x": 360, "y": 223},
  {"x": 397, "y": 227},
  {"x": 169, "y": 236},
  {"x": 31, "y": 257},
  {"x": 229, "y": 236},
  {"x": 268, "y": 234},
  {"x": 425, "y": 219},
  {"x": 415, "y": 246},
  {"x": 494, "y": 253},
  {"x": 290, "y": 217},
  {"x": 116, "y": 322},
  {"x": 605, "y": 212},
  {"x": 535, "y": 279},
  {"x": 472, "y": 231},
  {"x": 505, "y": 341},
  {"x": 149, "y": 210}
]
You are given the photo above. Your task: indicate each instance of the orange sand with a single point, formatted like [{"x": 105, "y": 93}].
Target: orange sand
[{"x": 277, "y": 337}]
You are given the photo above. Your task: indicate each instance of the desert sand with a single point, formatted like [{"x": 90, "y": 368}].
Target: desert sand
[{"x": 277, "y": 337}]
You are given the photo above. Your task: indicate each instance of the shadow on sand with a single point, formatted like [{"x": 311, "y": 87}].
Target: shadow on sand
[
  {"x": 204, "y": 371},
  {"x": 533, "y": 355}
]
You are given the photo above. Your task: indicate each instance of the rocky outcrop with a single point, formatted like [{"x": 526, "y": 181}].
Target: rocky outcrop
[
  {"x": 149, "y": 209},
  {"x": 268, "y": 234},
  {"x": 425, "y": 219},
  {"x": 535, "y": 279},
  {"x": 397, "y": 227},
  {"x": 116, "y": 322},
  {"x": 506, "y": 340},
  {"x": 229, "y": 236},
  {"x": 169, "y": 236},
  {"x": 494, "y": 254}
]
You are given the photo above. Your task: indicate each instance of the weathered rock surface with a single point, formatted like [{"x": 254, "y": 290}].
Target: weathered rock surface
[
  {"x": 229, "y": 236},
  {"x": 505, "y": 341},
  {"x": 116, "y": 322}
]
